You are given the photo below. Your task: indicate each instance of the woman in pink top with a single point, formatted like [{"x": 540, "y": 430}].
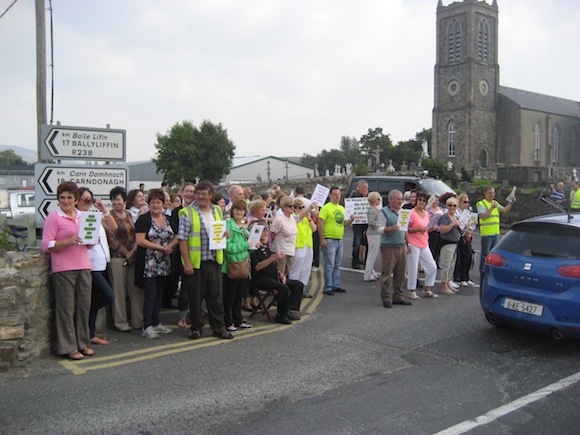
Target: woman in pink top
[
  {"x": 418, "y": 251},
  {"x": 70, "y": 274}
]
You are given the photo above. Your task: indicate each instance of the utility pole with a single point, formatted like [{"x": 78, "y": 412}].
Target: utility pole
[{"x": 40, "y": 71}]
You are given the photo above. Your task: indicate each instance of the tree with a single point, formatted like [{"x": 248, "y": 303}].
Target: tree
[
  {"x": 375, "y": 138},
  {"x": 186, "y": 152},
  {"x": 10, "y": 158}
]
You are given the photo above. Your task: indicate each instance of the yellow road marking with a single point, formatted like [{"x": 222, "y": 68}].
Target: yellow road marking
[{"x": 105, "y": 362}]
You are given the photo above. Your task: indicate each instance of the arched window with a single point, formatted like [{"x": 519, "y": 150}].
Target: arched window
[
  {"x": 537, "y": 141},
  {"x": 573, "y": 146},
  {"x": 556, "y": 144},
  {"x": 483, "y": 40},
  {"x": 451, "y": 144},
  {"x": 454, "y": 41},
  {"x": 483, "y": 159}
]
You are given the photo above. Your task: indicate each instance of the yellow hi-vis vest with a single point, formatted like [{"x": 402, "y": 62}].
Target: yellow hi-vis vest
[
  {"x": 194, "y": 239},
  {"x": 489, "y": 226},
  {"x": 576, "y": 201}
]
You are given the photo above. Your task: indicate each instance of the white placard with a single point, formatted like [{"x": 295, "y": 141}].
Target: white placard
[
  {"x": 403, "y": 219},
  {"x": 217, "y": 238},
  {"x": 433, "y": 221},
  {"x": 512, "y": 196},
  {"x": 90, "y": 227},
  {"x": 255, "y": 235},
  {"x": 357, "y": 207},
  {"x": 320, "y": 194}
]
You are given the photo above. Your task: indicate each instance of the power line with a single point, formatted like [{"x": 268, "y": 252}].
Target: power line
[{"x": 8, "y": 8}]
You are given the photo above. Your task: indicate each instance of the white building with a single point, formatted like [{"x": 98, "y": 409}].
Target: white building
[{"x": 269, "y": 168}]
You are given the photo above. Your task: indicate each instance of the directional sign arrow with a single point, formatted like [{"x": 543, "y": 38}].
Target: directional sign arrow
[
  {"x": 100, "y": 179},
  {"x": 81, "y": 143},
  {"x": 46, "y": 207}
]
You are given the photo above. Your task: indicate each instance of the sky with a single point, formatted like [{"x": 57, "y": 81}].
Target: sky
[{"x": 284, "y": 77}]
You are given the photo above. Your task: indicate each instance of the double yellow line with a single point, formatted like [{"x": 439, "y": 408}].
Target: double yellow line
[{"x": 105, "y": 362}]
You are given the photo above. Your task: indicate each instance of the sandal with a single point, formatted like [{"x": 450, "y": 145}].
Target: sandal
[
  {"x": 87, "y": 351},
  {"x": 446, "y": 291},
  {"x": 75, "y": 356},
  {"x": 182, "y": 323},
  {"x": 97, "y": 340},
  {"x": 430, "y": 294},
  {"x": 413, "y": 295}
]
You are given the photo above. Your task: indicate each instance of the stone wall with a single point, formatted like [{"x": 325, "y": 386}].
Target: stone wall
[{"x": 25, "y": 308}]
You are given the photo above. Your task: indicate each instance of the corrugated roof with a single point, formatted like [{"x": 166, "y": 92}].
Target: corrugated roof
[{"x": 541, "y": 102}]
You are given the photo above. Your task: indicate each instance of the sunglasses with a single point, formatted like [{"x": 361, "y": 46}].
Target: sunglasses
[
  {"x": 452, "y": 205},
  {"x": 421, "y": 199},
  {"x": 289, "y": 206},
  {"x": 465, "y": 202},
  {"x": 299, "y": 208}
]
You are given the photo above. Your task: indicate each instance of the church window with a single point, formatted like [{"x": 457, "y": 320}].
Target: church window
[
  {"x": 483, "y": 41},
  {"x": 451, "y": 144},
  {"x": 573, "y": 146},
  {"x": 537, "y": 141},
  {"x": 454, "y": 41},
  {"x": 483, "y": 159},
  {"x": 556, "y": 144}
]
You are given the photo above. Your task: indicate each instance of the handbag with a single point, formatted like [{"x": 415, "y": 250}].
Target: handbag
[{"x": 238, "y": 269}]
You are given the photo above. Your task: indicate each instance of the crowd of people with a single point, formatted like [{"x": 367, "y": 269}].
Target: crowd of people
[{"x": 157, "y": 249}]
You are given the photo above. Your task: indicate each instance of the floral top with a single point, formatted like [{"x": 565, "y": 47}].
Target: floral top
[{"x": 158, "y": 263}]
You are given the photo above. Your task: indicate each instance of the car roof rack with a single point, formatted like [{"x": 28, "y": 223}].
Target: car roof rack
[{"x": 546, "y": 199}]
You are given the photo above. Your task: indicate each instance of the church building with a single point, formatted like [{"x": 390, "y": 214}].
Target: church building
[{"x": 487, "y": 128}]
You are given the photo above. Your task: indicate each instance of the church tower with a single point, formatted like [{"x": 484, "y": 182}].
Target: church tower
[{"x": 466, "y": 85}]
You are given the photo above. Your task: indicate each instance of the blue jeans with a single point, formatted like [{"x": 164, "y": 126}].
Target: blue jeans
[
  {"x": 487, "y": 244},
  {"x": 332, "y": 259}
]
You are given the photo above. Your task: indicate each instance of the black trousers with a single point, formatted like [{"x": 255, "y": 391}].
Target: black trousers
[
  {"x": 205, "y": 283},
  {"x": 463, "y": 262},
  {"x": 289, "y": 294}
]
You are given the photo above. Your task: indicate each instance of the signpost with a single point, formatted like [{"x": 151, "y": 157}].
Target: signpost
[
  {"x": 100, "y": 180},
  {"x": 60, "y": 142}
]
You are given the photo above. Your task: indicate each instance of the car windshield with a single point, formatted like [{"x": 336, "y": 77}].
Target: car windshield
[
  {"x": 541, "y": 239},
  {"x": 436, "y": 187}
]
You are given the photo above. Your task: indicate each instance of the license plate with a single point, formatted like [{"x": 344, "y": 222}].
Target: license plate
[{"x": 523, "y": 307}]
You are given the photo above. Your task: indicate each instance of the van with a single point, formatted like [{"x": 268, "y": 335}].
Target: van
[{"x": 384, "y": 184}]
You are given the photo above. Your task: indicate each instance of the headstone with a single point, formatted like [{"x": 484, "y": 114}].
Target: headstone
[
  {"x": 449, "y": 165},
  {"x": 390, "y": 168},
  {"x": 404, "y": 167},
  {"x": 424, "y": 149}
]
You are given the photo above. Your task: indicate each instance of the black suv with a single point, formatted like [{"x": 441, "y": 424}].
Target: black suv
[{"x": 384, "y": 184}]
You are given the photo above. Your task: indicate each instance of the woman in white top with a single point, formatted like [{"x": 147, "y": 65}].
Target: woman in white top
[
  {"x": 102, "y": 293},
  {"x": 373, "y": 236},
  {"x": 136, "y": 203}
]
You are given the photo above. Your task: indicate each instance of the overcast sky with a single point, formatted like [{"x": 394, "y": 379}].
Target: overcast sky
[{"x": 284, "y": 77}]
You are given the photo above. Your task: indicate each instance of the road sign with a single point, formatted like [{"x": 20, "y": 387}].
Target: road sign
[
  {"x": 99, "y": 179},
  {"x": 81, "y": 143},
  {"x": 48, "y": 205}
]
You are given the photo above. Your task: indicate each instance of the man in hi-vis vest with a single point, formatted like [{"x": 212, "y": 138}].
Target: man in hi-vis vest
[
  {"x": 489, "y": 210},
  {"x": 202, "y": 276}
]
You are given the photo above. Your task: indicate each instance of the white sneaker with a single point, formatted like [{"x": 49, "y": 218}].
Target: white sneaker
[
  {"x": 464, "y": 284},
  {"x": 150, "y": 333},
  {"x": 452, "y": 284},
  {"x": 314, "y": 269},
  {"x": 470, "y": 282},
  {"x": 160, "y": 329}
]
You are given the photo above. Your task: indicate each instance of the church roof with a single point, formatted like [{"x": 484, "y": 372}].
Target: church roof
[{"x": 541, "y": 102}]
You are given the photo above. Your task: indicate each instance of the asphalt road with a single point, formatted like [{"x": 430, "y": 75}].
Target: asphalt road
[{"x": 350, "y": 366}]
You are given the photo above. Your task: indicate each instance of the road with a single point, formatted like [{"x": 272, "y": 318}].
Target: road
[{"x": 350, "y": 366}]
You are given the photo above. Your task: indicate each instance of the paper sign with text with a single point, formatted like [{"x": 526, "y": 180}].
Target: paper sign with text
[
  {"x": 90, "y": 227},
  {"x": 320, "y": 194},
  {"x": 403, "y": 219},
  {"x": 217, "y": 239}
]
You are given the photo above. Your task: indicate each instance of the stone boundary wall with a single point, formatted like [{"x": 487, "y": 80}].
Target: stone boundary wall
[{"x": 26, "y": 324}]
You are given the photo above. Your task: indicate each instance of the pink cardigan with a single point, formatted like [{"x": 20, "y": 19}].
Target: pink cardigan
[{"x": 58, "y": 226}]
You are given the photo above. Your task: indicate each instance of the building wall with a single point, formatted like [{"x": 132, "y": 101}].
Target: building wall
[{"x": 466, "y": 87}]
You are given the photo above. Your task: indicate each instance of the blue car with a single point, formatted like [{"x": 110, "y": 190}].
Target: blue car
[{"x": 532, "y": 277}]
